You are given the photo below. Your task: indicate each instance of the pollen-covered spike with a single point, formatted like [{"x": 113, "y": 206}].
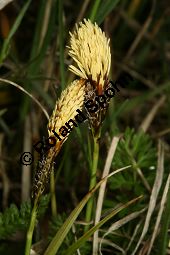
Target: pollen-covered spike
[
  {"x": 71, "y": 100},
  {"x": 89, "y": 48}
]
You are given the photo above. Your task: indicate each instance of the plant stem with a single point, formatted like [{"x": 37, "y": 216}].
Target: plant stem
[
  {"x": 163, "y": 237},
  {"x": 89, "y": 208},
  {"x": 53, "y": 196},
  {"x": 31, "y": 228}
]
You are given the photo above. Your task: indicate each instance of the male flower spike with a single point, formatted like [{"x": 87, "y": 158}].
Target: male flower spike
[{"x": 89, "y": 48}]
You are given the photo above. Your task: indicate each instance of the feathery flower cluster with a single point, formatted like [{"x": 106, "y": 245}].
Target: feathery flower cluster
[{"x": 89, "y": 47}]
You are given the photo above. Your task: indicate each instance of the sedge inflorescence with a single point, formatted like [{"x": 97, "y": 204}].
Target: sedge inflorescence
[
  {"x": 71, "y": 100},
  {"x": 89, "y": 48}
]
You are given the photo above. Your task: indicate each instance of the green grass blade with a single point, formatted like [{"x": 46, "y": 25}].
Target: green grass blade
[
  {"x": 38, "y": 51},
  {"x": 7, "y": 41},
  {"x": 84, "y": 238},
  {"x": 94, "y": 10},
  {"x": 63, "y": 231},
  {"x": 105, "y": 8},
  {"x": 36, "y": 40}
]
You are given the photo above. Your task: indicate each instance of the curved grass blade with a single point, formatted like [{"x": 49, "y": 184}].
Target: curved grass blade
[
  {"x": 84, "y": 238},
  {"x": 63, "y": 231}
]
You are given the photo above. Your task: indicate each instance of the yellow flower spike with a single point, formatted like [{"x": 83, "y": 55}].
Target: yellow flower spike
[
  {"x": 71, "y": 100},
  {"x": 89, "y": 48}
]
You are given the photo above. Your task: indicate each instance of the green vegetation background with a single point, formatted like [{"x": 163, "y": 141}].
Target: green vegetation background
[{"x": 33, "y": 53}]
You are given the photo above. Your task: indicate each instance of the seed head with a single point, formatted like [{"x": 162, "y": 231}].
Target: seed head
[
  {"x": 72, "y": 99},
  {"x": 42, "y": 174},
  {"x": 89, "y": 47}
]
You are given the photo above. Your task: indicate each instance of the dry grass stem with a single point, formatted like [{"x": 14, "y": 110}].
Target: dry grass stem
[
  {"x": 150, "y": 116},
  {"x": 132, "y": 23},
  {"x": 27, "y": 93},
  {"x": 158, "y": 219},
  {"x": 145, "y": 183},
  {"x": 49, "y": 5},
  {"x": 136, "y": 75},
  {"x": 162, "y": 133},
  {"x": 141, "y": 33},
  {"x": 111, "y": 244},
  {"x": 133, "y": 236},
  {"x": 26, "y": 169},
  {"x": 108, "y": 163},
  {"x": 154, "y": 194},
  {"x": 118, "y": 224}
]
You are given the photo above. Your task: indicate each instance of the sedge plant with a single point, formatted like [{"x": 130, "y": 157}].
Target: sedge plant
[
  {"x": 71, "y": 99},
  {"x": 89, "y": 48}
]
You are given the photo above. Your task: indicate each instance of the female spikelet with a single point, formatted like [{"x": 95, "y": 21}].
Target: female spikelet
[{"x": 72, "y": 98}]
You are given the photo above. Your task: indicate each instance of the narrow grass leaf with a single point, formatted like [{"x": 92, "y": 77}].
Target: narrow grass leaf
[
  {"x": 94, "y": 10},
  {"x": 105, "y": 8},
  {"x": 113, "y": 245},
  {"x": 35, "y": 45},
  {"x": 164, "y": 233},
  {"x": 162, "y": 206},
  {"x": 27, "y": 93},
  {"x": 39, "y": 49},
  {"x": 154, "y": 194},
  {"x": 118, "y": 224},
  {"x": 62, "y": 232},
  {"x": 108, "y": 163},
  {"x": 84, "y": 238},
  {"x": 134, "y": 102},
  {"x": 135, "y": 232},
  {"x": 7, "y": 41}
]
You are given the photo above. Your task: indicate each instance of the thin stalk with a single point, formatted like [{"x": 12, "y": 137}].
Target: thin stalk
[
  {"x": 163, "y": 237},
  {"x": 31, "y": 228},
  {"x": 61, "y": 42},
  {"x": 90, "y": 204},
  {"x": 53, "y": 196}
]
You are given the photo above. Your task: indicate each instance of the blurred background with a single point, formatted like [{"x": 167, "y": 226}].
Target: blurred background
[{"x": 33, "y": 55}]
